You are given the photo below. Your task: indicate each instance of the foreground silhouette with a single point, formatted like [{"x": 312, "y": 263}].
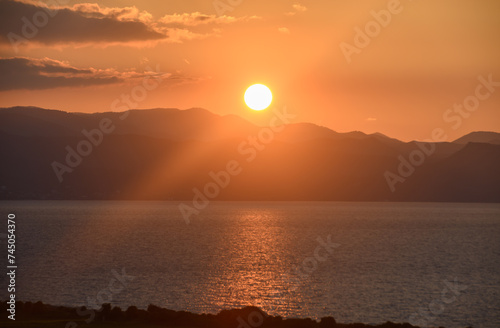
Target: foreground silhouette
[{"x": 41, "y": 315}]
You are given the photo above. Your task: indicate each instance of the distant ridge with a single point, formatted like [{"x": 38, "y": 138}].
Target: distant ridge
[
  {"x": 480, "y": 137},
  {"x": 172, "y": 123},
  {"x": 166, "y": 154}
]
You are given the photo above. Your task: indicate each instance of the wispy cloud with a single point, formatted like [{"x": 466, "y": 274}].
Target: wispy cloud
[
  {"x": 284, "y": 30},
  {"x": 197, "y": 18},
  {"x": 121, "y": 14},
  {"x": 46, "y": 73},
  {"x": 297, "y": 8}
]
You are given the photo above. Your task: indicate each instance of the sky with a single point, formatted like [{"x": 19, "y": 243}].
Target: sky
[{"x": 402, "y": 68}]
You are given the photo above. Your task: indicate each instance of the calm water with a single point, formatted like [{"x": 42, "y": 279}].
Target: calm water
[{"x": 387, "y": 261}]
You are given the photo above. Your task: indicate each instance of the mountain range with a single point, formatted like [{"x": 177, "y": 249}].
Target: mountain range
[{"x": 172, "y": 154}]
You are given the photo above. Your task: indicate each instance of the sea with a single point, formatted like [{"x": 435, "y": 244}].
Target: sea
[{"x": 430, "y": 264}]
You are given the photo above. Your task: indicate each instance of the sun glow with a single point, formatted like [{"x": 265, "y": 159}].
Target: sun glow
[{"x": 258, "y": 97}]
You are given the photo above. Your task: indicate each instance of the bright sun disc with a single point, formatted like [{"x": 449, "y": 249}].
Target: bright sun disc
[{"x": 258, "y": 97}]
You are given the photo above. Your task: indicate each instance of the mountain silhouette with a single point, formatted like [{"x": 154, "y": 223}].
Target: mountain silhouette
[
  {"x": 170, "y": 154},
  {"x": 480, "y": 137}
]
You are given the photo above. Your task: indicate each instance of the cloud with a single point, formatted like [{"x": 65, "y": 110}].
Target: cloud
[
  {"x": 23, "y": 22},
  {"x": 297, "y": 8},
  {"x": 371, "y": 119},
  {"x": 178, "y": 35},
  {"x": 121, "y": 14},
  {"x": 191, "y": 26},
  {"x": 37, "y": 74},
  {"x": 197, "y": 18},
  {"x": 284, "y": 30},
  {"x": 26, "y": 22},
  {"x": 33, "y": 74}
]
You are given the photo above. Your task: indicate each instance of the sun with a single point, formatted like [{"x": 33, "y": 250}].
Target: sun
[{"x": 258, "y": 97}]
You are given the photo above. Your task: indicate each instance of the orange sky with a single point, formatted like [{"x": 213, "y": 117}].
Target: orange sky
[{"x": 409, "y": 74}]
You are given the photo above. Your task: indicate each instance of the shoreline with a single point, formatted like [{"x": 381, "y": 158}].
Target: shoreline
[{"x": 42, "y": 315}]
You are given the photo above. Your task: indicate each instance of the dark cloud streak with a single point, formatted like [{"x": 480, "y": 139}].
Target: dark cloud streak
[
  {"x": 38, "y": 74},
  {"x": 67, "y": 25}
]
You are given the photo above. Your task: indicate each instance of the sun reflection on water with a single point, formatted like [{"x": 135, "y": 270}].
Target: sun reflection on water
[{"x": 255, "y": 271}]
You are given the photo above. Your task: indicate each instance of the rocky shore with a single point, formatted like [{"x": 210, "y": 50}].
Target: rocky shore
[{"x": 41, "y": 315}]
